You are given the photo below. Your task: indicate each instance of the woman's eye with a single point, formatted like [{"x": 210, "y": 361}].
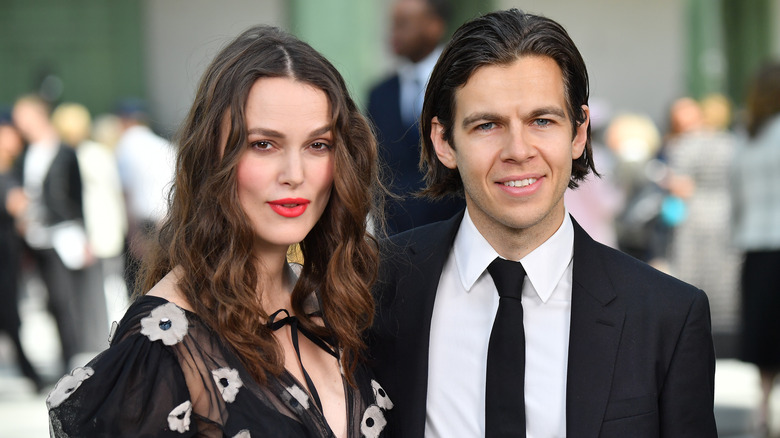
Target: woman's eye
[
  {"x": 320, "y": 146},
  {"x": 261, "y": 145}
]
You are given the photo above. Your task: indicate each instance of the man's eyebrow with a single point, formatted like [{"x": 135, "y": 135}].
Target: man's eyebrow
[
  {"x": 547, "y": 111},
  {"x": 480, "y": 117}
]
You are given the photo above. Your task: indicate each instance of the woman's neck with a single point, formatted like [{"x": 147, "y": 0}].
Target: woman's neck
[{"x": 276, "y": 281}]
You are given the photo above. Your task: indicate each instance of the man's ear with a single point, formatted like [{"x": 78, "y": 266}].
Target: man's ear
[
  {"x": 444, "y": 151},
  {"x": 580, "y": 135}
]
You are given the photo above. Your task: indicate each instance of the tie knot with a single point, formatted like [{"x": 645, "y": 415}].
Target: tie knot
[{"x": 508, "y": 277}]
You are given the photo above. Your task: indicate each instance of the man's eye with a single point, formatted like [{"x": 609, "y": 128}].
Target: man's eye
[
  {"x": 542, "y": 122},
  {"x": 486, "y": 126}
]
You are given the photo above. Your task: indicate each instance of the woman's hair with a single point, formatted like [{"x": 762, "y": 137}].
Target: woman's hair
[
  {"x": 763, "y": 100},
  {"x": 208, "y": 237}
]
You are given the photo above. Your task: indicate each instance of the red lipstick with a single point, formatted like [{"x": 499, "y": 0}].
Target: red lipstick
[{"x": 289, "y": 207}]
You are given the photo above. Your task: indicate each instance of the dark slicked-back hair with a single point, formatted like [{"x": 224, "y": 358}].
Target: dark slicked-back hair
[{"x": 498, "y": 38}]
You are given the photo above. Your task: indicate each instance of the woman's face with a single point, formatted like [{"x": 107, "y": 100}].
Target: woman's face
[{"x": 285, "y": 173}]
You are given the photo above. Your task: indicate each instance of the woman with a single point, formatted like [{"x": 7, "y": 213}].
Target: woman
[
  {"x": 227, "y": 342},
  {"x": 756, "y": 206}
]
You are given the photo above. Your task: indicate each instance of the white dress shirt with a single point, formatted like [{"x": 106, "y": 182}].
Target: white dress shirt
[
  {"x": 413, "y": 78},
  {"x": 463, "y": 313},
  {"x": 36, "y": 165},
  {"x": 146, "y": 164},
  {"x": 40, "y": 156}
]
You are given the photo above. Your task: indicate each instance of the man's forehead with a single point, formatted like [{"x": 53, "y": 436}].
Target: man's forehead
[{"x": 478, "y": 75}]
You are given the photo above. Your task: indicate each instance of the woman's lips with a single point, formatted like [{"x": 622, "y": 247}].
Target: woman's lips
[{"x": 289, "y": 207}]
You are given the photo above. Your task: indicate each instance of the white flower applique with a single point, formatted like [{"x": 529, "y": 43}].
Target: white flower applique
[
  {"x": 299, "y": 396},
  {"x": 67, "y": 385},
  {"x": 167, "y": 323},
  {"x": 179, "y": 418},
  {"x": 228, "y": 382},
  {"x": 374, "y": 420},
  {"x": 243, "y": 434},
  {"x": 382, "y": 400}
]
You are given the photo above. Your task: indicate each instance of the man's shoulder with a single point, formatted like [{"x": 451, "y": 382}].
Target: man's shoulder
[
  {"x": 630, "y": 274},
  {"x": 391, "y": 80},
  {"x": 384, "y": 86},
  {"x": 406, "y": 242},
  {"x": 433, "y": 234}
]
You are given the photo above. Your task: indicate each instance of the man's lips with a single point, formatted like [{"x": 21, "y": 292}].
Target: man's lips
[
  {"x": 520, "y": 182},
  {"x": 521, "y": 185},
  {"x": 289, "y": 207}
]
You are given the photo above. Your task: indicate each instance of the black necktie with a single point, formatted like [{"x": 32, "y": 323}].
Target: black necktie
[{"x": 505, "y": 394}]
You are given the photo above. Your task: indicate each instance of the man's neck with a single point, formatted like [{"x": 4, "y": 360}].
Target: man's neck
[
  {"x": 515, "y": 243},
  {"x": 45, "y": 139}
]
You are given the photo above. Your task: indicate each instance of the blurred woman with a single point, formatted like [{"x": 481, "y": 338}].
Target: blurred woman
[
  {"x": 229, "y": 339},
  {"x": 105, "y": 220},
  {"x": 756, "y": 207}
]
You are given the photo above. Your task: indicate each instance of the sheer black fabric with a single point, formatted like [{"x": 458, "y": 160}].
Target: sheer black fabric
[{"x": 167, "y": 374}]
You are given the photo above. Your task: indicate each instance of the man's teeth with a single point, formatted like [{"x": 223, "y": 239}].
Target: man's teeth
[{"x": 520, "y": 183}]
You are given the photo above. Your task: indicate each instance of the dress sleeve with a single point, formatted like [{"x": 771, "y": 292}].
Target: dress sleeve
[{"x": 135, "y": 388}]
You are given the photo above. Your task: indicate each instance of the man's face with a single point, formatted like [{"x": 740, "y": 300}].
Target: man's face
[
  {"x": 513, "y": 146},
  {"x": 415, "y": 29}
]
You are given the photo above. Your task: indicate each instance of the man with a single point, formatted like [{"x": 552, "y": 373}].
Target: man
[
  {"x": 418, "y": 27},
  {"x": 146, "y": 164},
  {"x": 613, "y": 348},
  {"x": 54, "y": 220}
]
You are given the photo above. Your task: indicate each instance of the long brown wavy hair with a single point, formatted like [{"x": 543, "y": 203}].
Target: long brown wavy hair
[{"x": 207, "y": 234}]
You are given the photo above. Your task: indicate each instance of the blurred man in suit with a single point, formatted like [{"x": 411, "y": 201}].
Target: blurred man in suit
[
  {"x": 418, "y": 27},
  {"x": 54, "y": 219}
]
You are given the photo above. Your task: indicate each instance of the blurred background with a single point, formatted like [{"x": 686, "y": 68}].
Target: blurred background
[{"x": 646, "y": 61}]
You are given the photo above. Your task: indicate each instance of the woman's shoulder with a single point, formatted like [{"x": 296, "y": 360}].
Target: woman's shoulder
[
  {"x": 167, "y": 288},
  {"x": 161, "y": 314},
  {"x": 137, "y": 384}
]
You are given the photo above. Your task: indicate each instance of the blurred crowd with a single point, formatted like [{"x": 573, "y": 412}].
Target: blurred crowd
[
  {"x": 79, "y": 199},
  {"x": 664, "y": 198},
  {"x": 695, "y": 196},
  {"x": 700, "y": 200}
]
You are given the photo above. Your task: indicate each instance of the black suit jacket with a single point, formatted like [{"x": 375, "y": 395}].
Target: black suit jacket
[
  {"x": 399, "y": 152},
  {"x": 641, "y": 359},
  {"x": 62, "y": 195}
]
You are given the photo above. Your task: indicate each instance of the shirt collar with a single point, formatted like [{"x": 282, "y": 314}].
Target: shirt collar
[
  {"x": 420, "y": 71},
  {"x": 544, "y": 266}
]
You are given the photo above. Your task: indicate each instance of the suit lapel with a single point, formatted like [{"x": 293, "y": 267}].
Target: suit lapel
[
  {"x": 417, "y": 291},
  {"x": 596, "y": 326}
]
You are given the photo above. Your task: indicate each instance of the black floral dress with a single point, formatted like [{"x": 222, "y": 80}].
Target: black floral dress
[{"x": 167, "y": 374}]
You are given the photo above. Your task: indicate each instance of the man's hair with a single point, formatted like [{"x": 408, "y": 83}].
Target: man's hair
[
  {"x": 36, "y": 101},
  {"x": 498, "y": 38},
  {"x": 442, "y": 9}
]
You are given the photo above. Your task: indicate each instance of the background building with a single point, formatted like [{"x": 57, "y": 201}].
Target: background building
[{"x": 641, "y": 55}]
